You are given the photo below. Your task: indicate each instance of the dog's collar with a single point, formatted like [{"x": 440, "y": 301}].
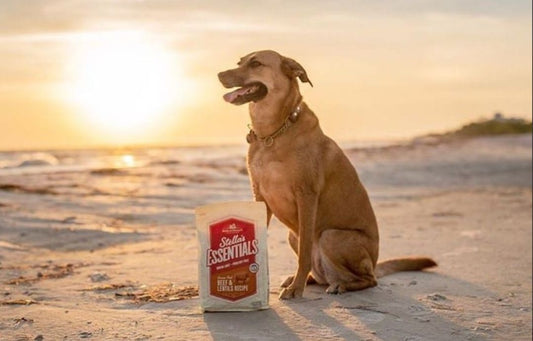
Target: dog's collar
[{"x": 269, "y": 140}]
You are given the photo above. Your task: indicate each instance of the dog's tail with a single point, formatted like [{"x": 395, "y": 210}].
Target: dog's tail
[{"x": 391, "y": 266}]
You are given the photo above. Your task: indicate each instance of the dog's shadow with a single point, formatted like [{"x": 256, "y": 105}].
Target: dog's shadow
[{"x": 404, "y": 306}]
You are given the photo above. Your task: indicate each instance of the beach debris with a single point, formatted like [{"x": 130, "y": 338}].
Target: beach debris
[
  {"x": 85, "y": 335},
  {"x": 160, "y": 293},
  {"x": 39, "y": 337},
  {"x": 25, "y": 266},
  {"x": 99, "y": 277},
  {"x": 52, "y": 272},
  {"x": 26, "y": 301},
  {"x": 439, "y": 306},
  {"x": 437, "y": 297},
  {"x": 19, "y": 322},
  {"x": 413, "y": 282},
  {"x": 109, "y": 287}
]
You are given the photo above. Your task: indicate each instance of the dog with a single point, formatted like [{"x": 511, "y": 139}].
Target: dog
[{"x": 307, "y": 181}]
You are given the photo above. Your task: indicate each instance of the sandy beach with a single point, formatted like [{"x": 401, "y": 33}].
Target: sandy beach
[{"x": 108, "y": 251}]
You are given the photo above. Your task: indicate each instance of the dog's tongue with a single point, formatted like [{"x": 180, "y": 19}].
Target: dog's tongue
[{"x": 232, "y": 96}]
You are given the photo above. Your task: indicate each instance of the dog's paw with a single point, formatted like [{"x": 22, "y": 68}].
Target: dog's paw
[
  {"x": 290, "y": 279},
  {"x": 336, "y": 289},
  {"x": 286, "y": 283},
  {"x": 291, "y": 292}
]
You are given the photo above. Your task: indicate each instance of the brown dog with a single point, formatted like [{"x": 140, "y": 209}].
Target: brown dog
[{"x": 307, "y": 182}]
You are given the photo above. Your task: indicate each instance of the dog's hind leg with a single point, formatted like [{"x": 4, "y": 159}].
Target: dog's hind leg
[{"x": 349, "y": 267}]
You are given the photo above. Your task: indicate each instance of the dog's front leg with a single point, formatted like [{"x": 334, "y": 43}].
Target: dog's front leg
[{"x": 307, "y": 209}]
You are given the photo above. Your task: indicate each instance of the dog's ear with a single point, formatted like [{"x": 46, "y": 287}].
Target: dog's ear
[{"x": 293, "y": 69}]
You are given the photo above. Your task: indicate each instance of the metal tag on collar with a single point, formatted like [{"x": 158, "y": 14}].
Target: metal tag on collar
[{"x": 293, "y": 117}]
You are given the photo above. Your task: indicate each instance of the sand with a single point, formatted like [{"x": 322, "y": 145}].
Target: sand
[{"x": 112, "y": 255}]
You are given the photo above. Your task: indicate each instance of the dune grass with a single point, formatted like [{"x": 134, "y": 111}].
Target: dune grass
[{"x": 498, "y": 125}]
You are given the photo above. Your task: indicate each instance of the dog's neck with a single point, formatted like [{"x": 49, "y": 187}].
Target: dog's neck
[{"x": 269, "y": 114}]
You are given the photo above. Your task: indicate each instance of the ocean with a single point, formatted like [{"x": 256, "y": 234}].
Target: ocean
[
  {"x": 32, "y": 162},
  {"x": 191, "y": 176}
]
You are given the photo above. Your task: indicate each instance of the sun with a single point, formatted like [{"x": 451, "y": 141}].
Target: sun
[{"x": 123, "y": 82}]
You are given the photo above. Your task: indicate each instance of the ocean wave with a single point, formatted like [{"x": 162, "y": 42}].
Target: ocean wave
[
  {"x": 164, "y": 163},
  {"x": 109, "y": 172},
  {"x": 24, "y": 160},
  {"x": 26, "y": 190}
]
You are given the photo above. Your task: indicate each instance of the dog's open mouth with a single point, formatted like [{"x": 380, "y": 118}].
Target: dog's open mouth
[{"x": 250, "y": 92}]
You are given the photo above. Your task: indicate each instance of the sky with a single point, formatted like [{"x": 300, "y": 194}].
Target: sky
[{"x": 83, "y": 74}]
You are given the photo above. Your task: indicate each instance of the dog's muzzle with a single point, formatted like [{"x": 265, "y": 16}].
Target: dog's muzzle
[
  {"x": 253, "y": 91},
  {"x": 250, "y": 92}
]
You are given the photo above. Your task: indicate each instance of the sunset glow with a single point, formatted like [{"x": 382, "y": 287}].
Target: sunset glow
[
  {"x": 76, "y": 74},
  {"x": 122, "y": 82}
]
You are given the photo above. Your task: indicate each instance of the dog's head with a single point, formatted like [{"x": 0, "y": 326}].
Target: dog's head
[{"x": 259, "y": 74}]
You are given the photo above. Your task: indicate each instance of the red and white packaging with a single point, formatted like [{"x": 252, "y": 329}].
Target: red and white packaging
[{"x": 233, "y": 259}]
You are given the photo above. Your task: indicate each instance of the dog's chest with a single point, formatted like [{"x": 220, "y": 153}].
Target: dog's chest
[{"x": 273, "y": 182}]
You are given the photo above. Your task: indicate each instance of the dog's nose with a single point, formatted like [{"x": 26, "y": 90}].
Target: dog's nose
[{"x": 223, "y": 77}]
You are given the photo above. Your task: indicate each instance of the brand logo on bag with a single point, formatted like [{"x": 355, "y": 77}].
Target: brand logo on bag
[
  {"x": 231, "y": 259},
  {"x": 232, "y": 229}
]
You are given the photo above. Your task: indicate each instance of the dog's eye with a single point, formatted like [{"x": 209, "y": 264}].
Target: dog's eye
[{"x": 254, "y": 64}]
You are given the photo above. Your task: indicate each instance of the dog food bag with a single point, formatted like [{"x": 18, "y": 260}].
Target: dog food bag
[{"x": 233, "y": 261}]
